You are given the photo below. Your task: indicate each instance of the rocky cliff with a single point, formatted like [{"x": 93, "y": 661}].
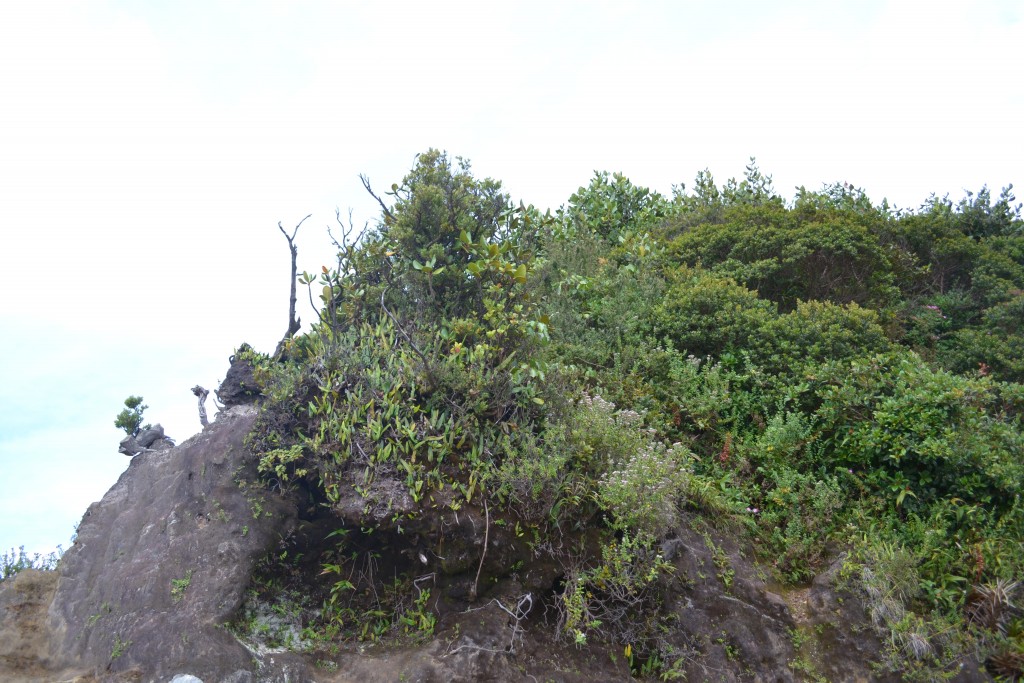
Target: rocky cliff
[
  {"x": 161, "y": 563},
  {"x": 159, "y": 586}
]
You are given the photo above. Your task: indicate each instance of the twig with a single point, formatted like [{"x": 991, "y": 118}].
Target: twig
[
  {"x": 346, "y": 230},
  {"x": 387, "y": 212},
  {"x": 483, "y": 555},
  {"x": 412, "y": 344},
  {"x": 523, "y": 608}
]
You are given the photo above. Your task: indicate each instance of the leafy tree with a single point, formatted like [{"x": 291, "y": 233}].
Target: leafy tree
[
  {"x": 611, "y": 206},
  {"x": 437, "y": 203},
  {"x": 130, "y": 419},
  {"x": 976, "y": 216},
  {"x": 838, "y": 196},
  {"x": 789, "y": 256},
  {"x": 754, "y": 190}
]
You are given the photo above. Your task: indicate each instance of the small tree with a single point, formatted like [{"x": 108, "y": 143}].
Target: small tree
[{"x": 130, "y": 419}]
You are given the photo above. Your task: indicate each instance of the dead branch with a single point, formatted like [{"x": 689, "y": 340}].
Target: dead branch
[
  {"x": 293, "y": 321},
  {"x": 483, "y": 555},
  {"x": 201, "y": 394},
  {"x": 343, "y": 245},
  {"x": 387, "y": 212}
]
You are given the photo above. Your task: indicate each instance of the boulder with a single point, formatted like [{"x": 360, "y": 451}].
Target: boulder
[
  {"x": 162, "y": 562},
  {"x": 239, "y": 387},
  {"x": 152, "y": 439}
]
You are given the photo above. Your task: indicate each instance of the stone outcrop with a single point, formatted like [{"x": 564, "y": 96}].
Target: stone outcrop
[
  {"x": 150, "y": 439},
  {"x": 162, "y": 562},
  {"x": 239, "y": 387},
  {"x": 159, "y": 575},
  {"x": 25, "y": 652}
]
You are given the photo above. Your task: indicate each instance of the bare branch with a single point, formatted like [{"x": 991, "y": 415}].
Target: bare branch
[
  {"x": 483, "y": 555},
  {"x": 293, "y": 322},
  {"x": 346, "y": 231},
  {"x": 387, "y": 212}
]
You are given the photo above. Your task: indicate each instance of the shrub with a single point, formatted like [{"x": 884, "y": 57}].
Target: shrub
[
  {"x": 923, "y": 435},
  {"x": 644, "y": 490},
  {"x": 705, "y": 314},
  {"x": 16, "y": 561},
  {"x": 797, "y": 519},
  {"x": 788, "y": 256},
  {"x": 612, "y": 599},
  {"x": 816, "y": 331},
  {"x": 130, "y": 419}
]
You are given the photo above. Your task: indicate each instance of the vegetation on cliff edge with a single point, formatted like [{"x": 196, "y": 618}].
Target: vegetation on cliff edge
[{"x": 830, "y": 375}]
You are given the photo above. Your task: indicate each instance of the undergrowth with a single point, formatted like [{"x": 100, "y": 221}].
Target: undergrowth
[{"x": 830, "y": 375}]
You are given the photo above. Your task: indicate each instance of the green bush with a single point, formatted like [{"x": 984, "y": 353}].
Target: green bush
[
  {"x": 130, "y": 419},
  {"x": 924, "y": 435},
  {"x": 797, "y": 518},
  {"x": 836, "y": 368},
  {"x": 789, "y": 256},
  {"x": 16, "y": 561},
  {"x": 818, "y": 331},
  {"x": 705, "y": 314}
]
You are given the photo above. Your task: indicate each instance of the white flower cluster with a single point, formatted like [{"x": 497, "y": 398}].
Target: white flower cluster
[
  {"x": 644, "y": 491},
  {"x": 623, "y": 418},
  {"x": 598, "y": 403}
]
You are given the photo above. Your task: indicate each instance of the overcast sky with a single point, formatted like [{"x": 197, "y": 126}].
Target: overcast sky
[{"x": 149, "y": 149}]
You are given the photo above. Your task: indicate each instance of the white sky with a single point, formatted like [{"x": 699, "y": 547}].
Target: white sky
[{"x": 148, "y": 150}]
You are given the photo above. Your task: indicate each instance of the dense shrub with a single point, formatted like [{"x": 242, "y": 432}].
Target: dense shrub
[
  {"x": 837, "y": 374},
  {"x": 788, "y": 257}
]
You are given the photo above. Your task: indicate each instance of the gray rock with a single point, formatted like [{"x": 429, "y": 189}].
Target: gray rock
[
  {"x": 239, "y": 387},
  {"x": 152, "y": 439},
  {"x": 162, "y": 562}
]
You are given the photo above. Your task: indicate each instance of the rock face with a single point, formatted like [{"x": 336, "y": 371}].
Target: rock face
[
  {"x": 239, "y": 387},
  {"x": 163, "y": 560}
]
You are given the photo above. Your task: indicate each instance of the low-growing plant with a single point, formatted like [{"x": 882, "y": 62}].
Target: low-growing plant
[
  {"x": 643, "y": 490},
  {"x": 609, "y": 599},
  {"x": 797, "y": 518},
  {"x": 119, "y": 646},
  {"x": 18, "y": 560},
  {"x": 179, "y": 586}
]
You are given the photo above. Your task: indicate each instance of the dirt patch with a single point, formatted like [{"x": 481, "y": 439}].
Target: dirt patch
[{"x": 25, "y": 647}]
